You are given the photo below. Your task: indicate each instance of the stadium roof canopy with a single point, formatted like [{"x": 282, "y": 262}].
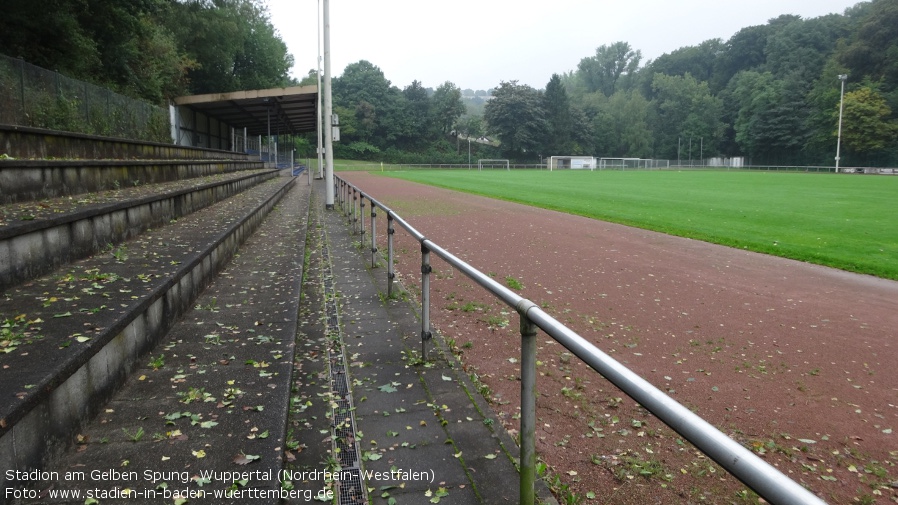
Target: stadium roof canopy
[{"x": 290, "y": 110}]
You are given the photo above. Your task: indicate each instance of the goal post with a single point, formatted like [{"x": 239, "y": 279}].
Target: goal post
[
  {"x": 488, "y": 163},
  {"x": 632, "y": 164}
]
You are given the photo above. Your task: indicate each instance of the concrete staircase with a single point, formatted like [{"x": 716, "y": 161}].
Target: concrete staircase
[{"x": 101, "y": 259}]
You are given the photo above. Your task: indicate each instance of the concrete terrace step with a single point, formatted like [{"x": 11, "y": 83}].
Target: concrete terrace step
[
  {"x": 71, "y": 338},
  {"x": 25, "y": 180},
  {"x": 38, "y": 143},
  {"x": 37, "y": 237},
  {"x": 213, "y": 397}
]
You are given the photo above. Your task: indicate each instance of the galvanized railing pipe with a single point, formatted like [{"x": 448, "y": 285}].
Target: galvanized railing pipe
[
  {"x": 361, "y": 220},
  {"x": 757, "y": 474},
  {"x": 373, "y": 235},
  {"x": 391, "y": 273},
  {"x": 425, "y": 298},
  {"x": 352, "y": 215},
  {"x": 528, "y": 404}
]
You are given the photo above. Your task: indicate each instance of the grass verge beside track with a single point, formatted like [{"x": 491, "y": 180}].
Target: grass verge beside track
[{"x": 843, "y": 221}]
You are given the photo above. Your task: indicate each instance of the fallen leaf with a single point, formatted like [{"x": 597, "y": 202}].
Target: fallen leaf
[{"x": 245, "y": 459}]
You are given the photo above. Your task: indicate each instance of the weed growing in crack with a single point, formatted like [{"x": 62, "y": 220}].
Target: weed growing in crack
[{"x": 136, "y": 436}]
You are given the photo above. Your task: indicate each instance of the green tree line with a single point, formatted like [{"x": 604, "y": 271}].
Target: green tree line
[
  {"x": 378, "y": 121},
  {"x": 150, "y": 49},
  {"x": 770, "y": 93}
]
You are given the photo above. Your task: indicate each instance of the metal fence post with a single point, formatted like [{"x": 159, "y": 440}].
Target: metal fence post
[
  {"x": 373, "y": 235},
  {"x": 361, "y": 219},
  {"x": 528, "y": 404},
  {"x": 342, "y": 197},
  {"x": 391, "y": 274},
  {"x": 354, "y": 217},
  {"x": 425, "y": 298}
]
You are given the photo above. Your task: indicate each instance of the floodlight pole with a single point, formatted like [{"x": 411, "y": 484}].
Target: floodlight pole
[
  {"x": 328, "y": 112},
  {"x": 843, "y": 78},
  {"x": 320, "y": 174}
]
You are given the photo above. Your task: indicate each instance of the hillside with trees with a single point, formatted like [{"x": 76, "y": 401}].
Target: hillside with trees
[
  {"x": 770, "y": 93},
  {"x": 150, "y": 49}
]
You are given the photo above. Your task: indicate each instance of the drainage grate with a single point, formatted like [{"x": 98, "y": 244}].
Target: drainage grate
[
  {"x": 351, "y": 488},
  {"x": 344, "y": 443}
]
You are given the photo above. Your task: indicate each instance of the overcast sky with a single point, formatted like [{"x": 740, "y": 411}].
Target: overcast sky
[{"x": 478, "y": 44}]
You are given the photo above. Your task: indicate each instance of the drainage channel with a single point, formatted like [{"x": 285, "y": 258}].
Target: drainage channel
[{"x": 351, "y": 486}]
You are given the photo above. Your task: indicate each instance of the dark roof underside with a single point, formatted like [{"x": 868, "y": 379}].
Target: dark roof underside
[{"x": 290, "y": 110}]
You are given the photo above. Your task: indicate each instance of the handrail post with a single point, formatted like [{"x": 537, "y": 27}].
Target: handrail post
[
  {"x": 338, "y": 192},
  {"x": 352, "y": 217},
  {"x": 361, "y": 219},
  {"x": 425, "y": 298},
  {"x": 391, "y": 274},
  {"x": 373, "y": 235},
  {"x": 528, "y": 404}
]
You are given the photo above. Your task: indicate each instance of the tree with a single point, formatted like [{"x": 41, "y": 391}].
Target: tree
[
  {"x": 699, "y": 61},
  {"x": 262, "y": 61},
  {"x": 866, "y": 121},
  {"x": 516, "y": 116},
  {"x": 417, "y": 114},
  {"x": 122, "y": 45},
  {"x": 233, "y": 42},
  {"x": 802, "y": 47},
  {"x": 558, "y": 118},
  {"x": 378, "y": 106},
  {"x": 684, "y": 108},
  {"x": 610, "y": 68},
  {"x": 632, "y": 136},
  {"x": 471, "y": 125},
  {"x": 873, "y": 52},
  {"x": 772, "y": 120},
  {"x": 743, "y": 51},
  {"x": 446, "y": 107}
]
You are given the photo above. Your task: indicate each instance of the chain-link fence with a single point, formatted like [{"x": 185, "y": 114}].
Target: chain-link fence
[{"x": 40, "y": 98}]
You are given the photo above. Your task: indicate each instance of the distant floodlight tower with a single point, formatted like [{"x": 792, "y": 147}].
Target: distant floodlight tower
[{"x": 843, "y": 78}]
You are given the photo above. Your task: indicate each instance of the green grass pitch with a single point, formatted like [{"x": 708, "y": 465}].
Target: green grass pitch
[{"x": 844, "y": 221}]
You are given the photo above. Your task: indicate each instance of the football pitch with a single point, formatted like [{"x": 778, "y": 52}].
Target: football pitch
[{"x": 848, "y": 222}]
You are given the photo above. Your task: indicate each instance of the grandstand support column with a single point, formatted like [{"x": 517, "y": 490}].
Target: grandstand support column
[{"x": 328, "y": 111}]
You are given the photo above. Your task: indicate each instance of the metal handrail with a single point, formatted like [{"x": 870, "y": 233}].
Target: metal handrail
[{"x": 757, "y": 474}]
